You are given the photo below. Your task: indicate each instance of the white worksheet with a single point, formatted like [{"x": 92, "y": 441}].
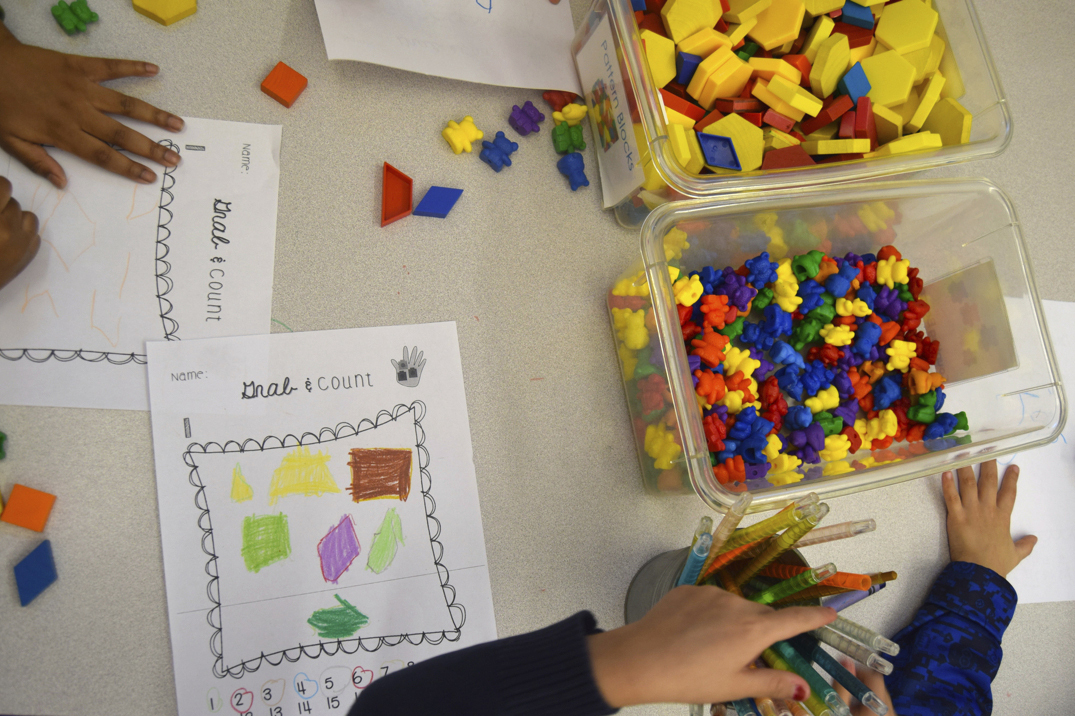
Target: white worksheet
[
  {"x": 514, "y": 43},
  {"x": 190, "y": 256},
  {"x": 319, "y": 513},
  {"x": 1047, "y": 489}
]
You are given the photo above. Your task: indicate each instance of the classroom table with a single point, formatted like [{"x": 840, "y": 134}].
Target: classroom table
[{"x": 521, "y": 265}]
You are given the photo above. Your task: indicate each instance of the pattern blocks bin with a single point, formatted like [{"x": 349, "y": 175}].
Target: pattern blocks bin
[{"x": 995, "y": 356}]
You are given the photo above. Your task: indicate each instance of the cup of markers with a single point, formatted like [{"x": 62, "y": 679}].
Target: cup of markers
[{"x": 762, "y": 563}]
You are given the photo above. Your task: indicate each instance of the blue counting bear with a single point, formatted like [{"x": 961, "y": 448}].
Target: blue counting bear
[
  {"x": 866, "y": 338},
  {"x": 867, "y": 295},
  {"x": 816, "y": 377},
  {"x": 574, "y": 168},
  {"x": 497, "y": 153},
  {"x": 781, "y": 352},
  {"x": 789, "y": 381},
  {"x": 886, "y": 391},
  {"x": 755, "y": 334},
  {"x": 798, "y": 417},
  {"x": 840, "y": 283},
  {"x": 747, "y": 437},
  {"x": 710, "y": 279},
  {"x": 943, "y": 424},
  {"x": 810, "y": 292},
  {"x": 940, "y": 399},
  {"x": 777, "y": 321},
  {"x": 762, "y": 270}
]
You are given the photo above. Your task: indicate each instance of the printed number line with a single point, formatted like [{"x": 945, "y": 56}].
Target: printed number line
[{"x": 323, "y": 591}]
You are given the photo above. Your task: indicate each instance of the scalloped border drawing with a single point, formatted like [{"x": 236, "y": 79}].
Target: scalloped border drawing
[
  {"x": 332, "y": 647},
  {"x": 164, "y": 287}
]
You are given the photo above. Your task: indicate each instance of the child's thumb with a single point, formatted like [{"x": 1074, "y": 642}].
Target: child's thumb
[
  {"x": 1024, "y": 546},
  {"x": 775, "y": 684}
]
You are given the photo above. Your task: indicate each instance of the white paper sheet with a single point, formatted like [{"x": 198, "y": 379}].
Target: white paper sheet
[
  {"x": 190, "y": 256},
  {"x": 1046, "y": 496},
  {"x": 232, "y": 470},
  {"x": 513, "y": 43}
]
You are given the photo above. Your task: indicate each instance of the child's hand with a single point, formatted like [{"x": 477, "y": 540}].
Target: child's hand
[
  {"x": 979, "y": 518},
  {"x": 695, "y": 646},
  {"x": 18, "y": 235},
  {"x": 874, "y": 681},
  {"x": 51, "y": 98}
]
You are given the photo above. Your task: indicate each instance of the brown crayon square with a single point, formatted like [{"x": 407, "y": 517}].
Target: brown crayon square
[{"x": 378, "y": 473}]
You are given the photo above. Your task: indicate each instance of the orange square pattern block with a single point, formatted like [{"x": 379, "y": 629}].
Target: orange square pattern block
[
  {"x": 283, "y": 84},
  {"x": 27, "y": 507}
]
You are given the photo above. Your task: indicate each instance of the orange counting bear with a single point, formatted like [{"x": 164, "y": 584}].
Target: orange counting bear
[
  {"x": 27, "y": 507},
  {"x": 710, "y": 348}
]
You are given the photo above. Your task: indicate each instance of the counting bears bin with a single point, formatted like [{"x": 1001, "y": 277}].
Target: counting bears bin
[
  {"x": 963, "y": 235},
  {"x": 968, "y": 67}
]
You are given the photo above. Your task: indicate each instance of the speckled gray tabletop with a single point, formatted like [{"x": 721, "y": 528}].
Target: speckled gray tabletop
[{"x": 521, "y": 265}]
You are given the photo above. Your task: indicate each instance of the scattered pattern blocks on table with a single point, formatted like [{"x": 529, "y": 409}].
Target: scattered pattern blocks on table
[
  {"x": 284, "y": 84},
  {"x": 35, "y": 573},
  {"x": 437, "y": 202},
  {"x": 397, "y": 195},
  {"x": 27, "y": 507},
  {"x": 166, "y": 11}
]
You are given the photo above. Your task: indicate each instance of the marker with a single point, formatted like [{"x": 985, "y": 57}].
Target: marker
[
  {"x": 766, "y": 707},
  {"x": 813, "y": 702},
  {"x": 847, "y": 580},
  {"x": 840, "y": 531},
  {"x": 780, "y": 707},
  {"x": 818, "y": 686},
  {"x": 866, "y": 635},
  {"x": 812, "y": 650},
  {"x": 856, "y": 651},
  {"x": 790, "y": 515},
  {"x": 741, "y": 552},
  {"x": 704, "y": 525},
  {"x": 784, "y": 542},
  {"x": 743, "y": 707},
  {"x": 797, "y": 709},
  {"x": 796, "y": 584},
  {"x": 695, "y": 560},
  {"x": 843, "y": 601},
  {"x": 882, "y": 578},
  {"x": 727, "y": 526}
]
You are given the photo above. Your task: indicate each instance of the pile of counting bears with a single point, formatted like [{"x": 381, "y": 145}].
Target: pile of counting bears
[
  {"x": 794, "y": 83},
  {"x": 797, "y": 361}
]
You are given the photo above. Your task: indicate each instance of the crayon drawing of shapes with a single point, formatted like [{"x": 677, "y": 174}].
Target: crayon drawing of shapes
[
  {"x": 383, "y": 550},
  {"x": 266, "y": 540},
  {"x": 380, "y": 473},
  {"x": 241, "y": 491},
  {"x": 302, "y": 473},
  {"x": 338, "y": 549},
  {"x": 338, "y": 622}
]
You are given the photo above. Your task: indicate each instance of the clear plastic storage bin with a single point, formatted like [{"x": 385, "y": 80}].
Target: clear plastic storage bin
[
  {"x": 963, "y": 235},
  {"x": 968, "y": 64}
]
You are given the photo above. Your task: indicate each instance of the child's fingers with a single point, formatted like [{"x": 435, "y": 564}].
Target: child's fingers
[
  {"x": 1006, "y": 494},
  {"x": 987, "y": 483},
  {"x": 124, "y": 137},
  {"x": 968, "y": 487},
  {"x": 36, "y": 160},
  {"x": 844, "y": 694},
  {"x": 773, "y": 684},
  {"x": 100, "y": 69},
  {"x": 95, "y": 151},
  {"x": 108, "y": 100},
  {"x": 786, "y": 623},
  {"x": 951, "y": 493},
  {"x": 1024, "y": 546},
  {"x": 5, "y": 192}
]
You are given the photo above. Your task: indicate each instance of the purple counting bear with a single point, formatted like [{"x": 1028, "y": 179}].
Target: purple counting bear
[
  {"x": 573, "y": 167},
  {"x": 847, "y": 412},
  {"x": 765, "y": 368},
  {"x": 808, "y": 442},
  {"x": 888, "y": 303},
  {"x": 762, "y": 270},
  {"x": 843, "y": 384},
  {"x": 497, "y": 153},
  {"x": 736, "y": 289},
  {"x": 525, "y": 119}
]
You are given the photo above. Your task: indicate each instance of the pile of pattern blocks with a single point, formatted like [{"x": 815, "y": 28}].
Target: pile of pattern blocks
[{"x": 30, "y": 509}]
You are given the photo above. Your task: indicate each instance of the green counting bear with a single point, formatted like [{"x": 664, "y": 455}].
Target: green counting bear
[
  {"x": 567, "y": 139},
  {"x": 807, "y": 265},
  {"x": 73, "y": 18}
]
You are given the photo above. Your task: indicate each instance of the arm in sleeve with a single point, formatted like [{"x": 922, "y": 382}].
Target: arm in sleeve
[
  {"x": 950, "y": 652},
  {"x": 544, "y": 672}
]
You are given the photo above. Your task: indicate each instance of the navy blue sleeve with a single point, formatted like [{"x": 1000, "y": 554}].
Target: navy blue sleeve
[
  {"x": 543, "y": 672},
  {"x": 950, "y": 652}
]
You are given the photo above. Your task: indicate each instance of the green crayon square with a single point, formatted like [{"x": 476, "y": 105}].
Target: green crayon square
[{"x": 266, "y": 539}]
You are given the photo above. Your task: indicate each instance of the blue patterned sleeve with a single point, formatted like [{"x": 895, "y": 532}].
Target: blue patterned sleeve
[{"x": 950, "y": 652}]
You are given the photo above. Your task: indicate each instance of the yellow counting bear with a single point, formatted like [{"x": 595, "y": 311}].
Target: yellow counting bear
[
  {"x": 631, "y": 327},
  {"x": 736, "y": 359},
  {"x": 900, "y": 354},
  {"x": 837, "y": 335},
  {"x": 858, "y": 307},
  {"x": 883, "y": 426},
  {"x": 890, "y": 271},
  {"x": 836, "y": 448},
  {"x": 786, "y": 287},
  {"x": 461, "y": 135},
  {"x": 824, "y": 400},
  {"x": 660, "y": 444},
  {"x": 687, "y": 290}
]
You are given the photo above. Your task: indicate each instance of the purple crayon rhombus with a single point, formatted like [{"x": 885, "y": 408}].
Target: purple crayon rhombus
[{"x": 338, "y": 549}]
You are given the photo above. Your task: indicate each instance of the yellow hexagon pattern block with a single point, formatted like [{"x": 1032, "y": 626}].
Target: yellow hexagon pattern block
[
  {"x": 950, "y": 121},
  {"x": 661, "y": 55},
  {"x": 779, "y": 23},
  {"x": 891, "y": 77},
  {"x": 906, "y": 26},
  {"x": 830, "y": 65},
  {"x": 748, "y": 139},
  {"x": 683, "y": 18},
  {"x": 166, "y": 11}
]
